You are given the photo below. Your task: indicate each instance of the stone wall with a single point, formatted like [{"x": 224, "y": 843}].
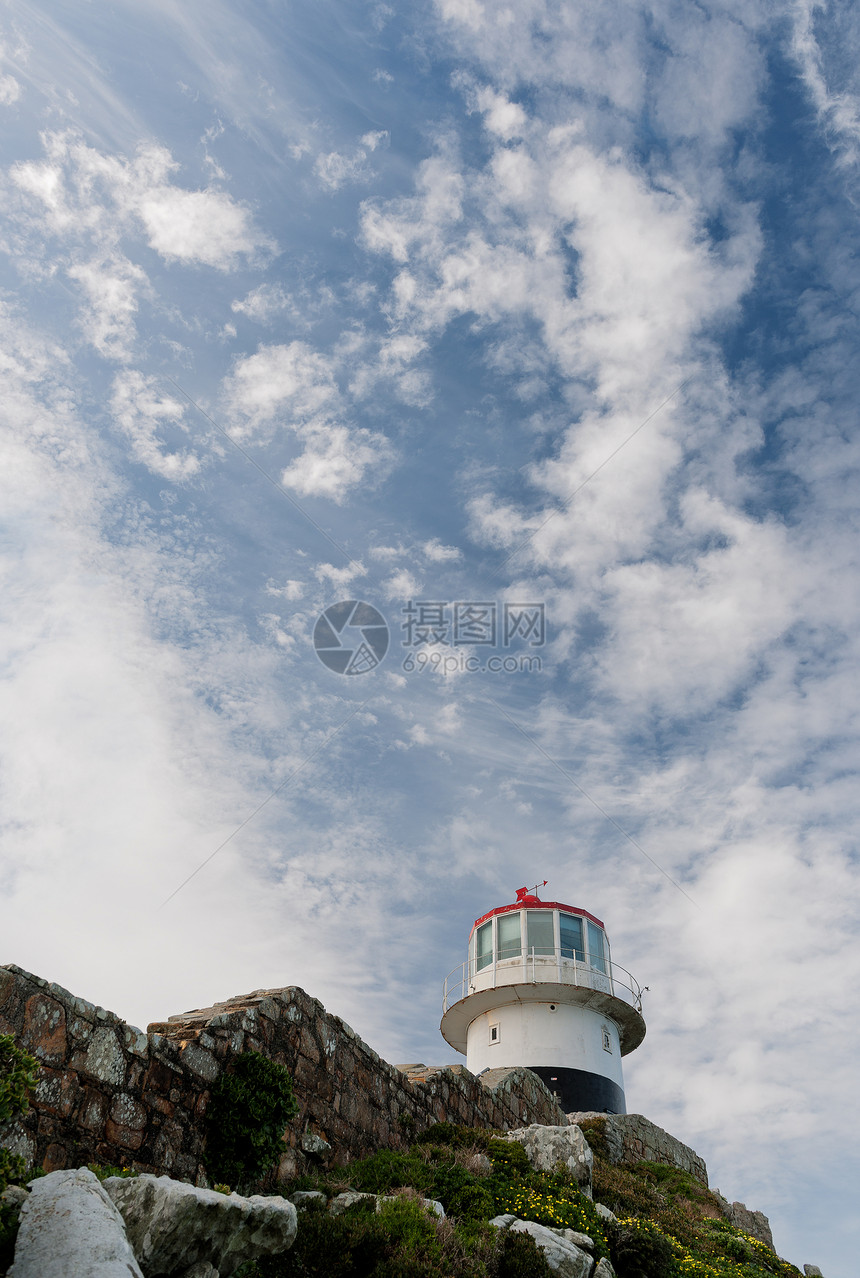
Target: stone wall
[
  {"x": 631, "y": 1137},
  {"x": 108, "y": 1093}
]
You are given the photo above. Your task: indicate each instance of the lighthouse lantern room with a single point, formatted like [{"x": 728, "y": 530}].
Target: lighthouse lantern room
[{"x": 539, "y": 989}]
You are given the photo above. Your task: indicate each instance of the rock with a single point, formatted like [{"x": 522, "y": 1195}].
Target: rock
[
  {"x": 172, "y": 1225},
  {"x": 429, "y": 1204},
  {"x": 571, "y": 1236},
  {"x": 603, "y": 1269},
  {"x": 201, "y": 1270},
  {"x": 754, "y": 1223},
  {"x": 14, "y": 1196},
  {"x": 348, "y": 1198},
  {"x": 549, "y": 1147},
  {"x": 564, "y": 1258},
  {"x": 812, "y": 1271},
  {"x": 315, "y": 1145},
  {"x": 70, "y": 1229},
  {"x": 304, "y": 1197},
  {"x": 605, "y": 1214},
  {"x": 630, "y": 1137}
]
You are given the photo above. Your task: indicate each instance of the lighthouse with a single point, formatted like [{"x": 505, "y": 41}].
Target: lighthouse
[{"x": 540, "y": 989}]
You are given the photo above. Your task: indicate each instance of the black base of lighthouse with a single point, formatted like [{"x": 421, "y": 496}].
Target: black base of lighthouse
[{"x": 578, "y": 1090}]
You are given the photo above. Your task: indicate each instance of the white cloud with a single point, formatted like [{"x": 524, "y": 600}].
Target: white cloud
[
  {"x": 293, "y": 388},
  {"x": 111, "y": 288},
  {"x": 336, "y": 460},
  {"x": 437, "y": 553},
  {"x": 206, "y": 227},
  {"x": 264, "y": 303},
  {"x": 838, "y": 104},
  {"x": 140, "y": 410},
  {"x": 294, "y": 589},
  {"x": 401, "y": 585},
  {"x": 336, "y": 169},
  {"x": 339, "y": 577},
  {"x": 292, "y": 383},
  {"x": 91, "y": 199},
  {"x": 10, "y": 90}
]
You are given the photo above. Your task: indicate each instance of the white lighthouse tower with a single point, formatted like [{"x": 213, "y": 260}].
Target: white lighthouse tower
[{"x": 539, "y": 989}]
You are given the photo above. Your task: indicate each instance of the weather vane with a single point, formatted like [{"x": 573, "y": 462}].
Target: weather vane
[{"x": 524, "y": 891}]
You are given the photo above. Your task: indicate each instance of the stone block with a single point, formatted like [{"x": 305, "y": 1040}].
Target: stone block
[
  {"x": 172, "y": 1225},
  {"x": 126, "y": 1122},
  {"x": 44, "y": 1029},
  {"x": 57, "y": 1091},
  {"x": 57, "y": 1157},
  {"x": 104, "y": 1058},
  {"x": 70, "y": 1228},
  {"x": 200, "y": 1062}
]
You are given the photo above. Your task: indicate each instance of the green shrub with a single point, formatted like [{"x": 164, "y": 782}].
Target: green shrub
[
  {"x": 18, "y": 1075},
  {"x": 454, "y": 1135},
  {"x": 402, "y": 1241},
  {"x": 251, "y": 1104},
  {"x": 102, "y": 1171},
  {"x": 389, "y": 1169},
  {"x": 508, "y": 1157},
  {"x": 594, "y": 1131},
  {"x": 461, "y": 1194},
  {"x": 639, "y": 1249},
  {"x": 520, "y": 1257}
]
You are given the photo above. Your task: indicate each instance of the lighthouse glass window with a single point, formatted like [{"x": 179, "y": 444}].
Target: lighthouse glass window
[
  {"x": 509, "y": 941},
  {"x": 540, "y": 937},
  {"x": 484, "y": 946},
  {"x": 595, "y": 947},
  {"x": 570, "y": 935}
]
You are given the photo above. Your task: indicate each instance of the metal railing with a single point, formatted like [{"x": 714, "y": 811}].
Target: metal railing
[{"x": 557, "y": 966}]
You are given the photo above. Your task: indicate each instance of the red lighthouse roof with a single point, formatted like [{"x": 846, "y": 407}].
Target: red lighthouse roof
[{"x": 526, "y": 900}]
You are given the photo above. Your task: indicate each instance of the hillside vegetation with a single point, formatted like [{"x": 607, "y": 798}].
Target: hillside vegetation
[{"x": 668, "y": 1226}]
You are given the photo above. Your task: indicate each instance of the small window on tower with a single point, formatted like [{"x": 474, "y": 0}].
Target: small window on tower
[
  {"x": 494, "y": 1033},
  {"x": 607, "y": 1040}
]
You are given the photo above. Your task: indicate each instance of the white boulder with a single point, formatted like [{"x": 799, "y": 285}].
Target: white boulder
[
  {"x": 172, "y": 1225},
  {"x": 69, "y": 1228},
  {"x": 341, "y": 1202},
  {"x": 303, "y": 1198},
  {"x": 548, "y": 1148},
  {"x": 563, "y": 1257}
]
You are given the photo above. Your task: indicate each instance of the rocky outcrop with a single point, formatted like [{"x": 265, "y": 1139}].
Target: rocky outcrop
[
  {"x": 109, "y": 1093},
  {"x": 549, "y": 1148},
  {"x": 172, "y": 1226},
  {"x": 754, "y": 1223},
  {"x": 562, "y": 1255},
  {"x": 629, "y": 1138},
  {"x": 69, "y": 1228}
]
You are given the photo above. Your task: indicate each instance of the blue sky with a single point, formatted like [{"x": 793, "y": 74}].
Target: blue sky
[{"x": 524, "y": 303}]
